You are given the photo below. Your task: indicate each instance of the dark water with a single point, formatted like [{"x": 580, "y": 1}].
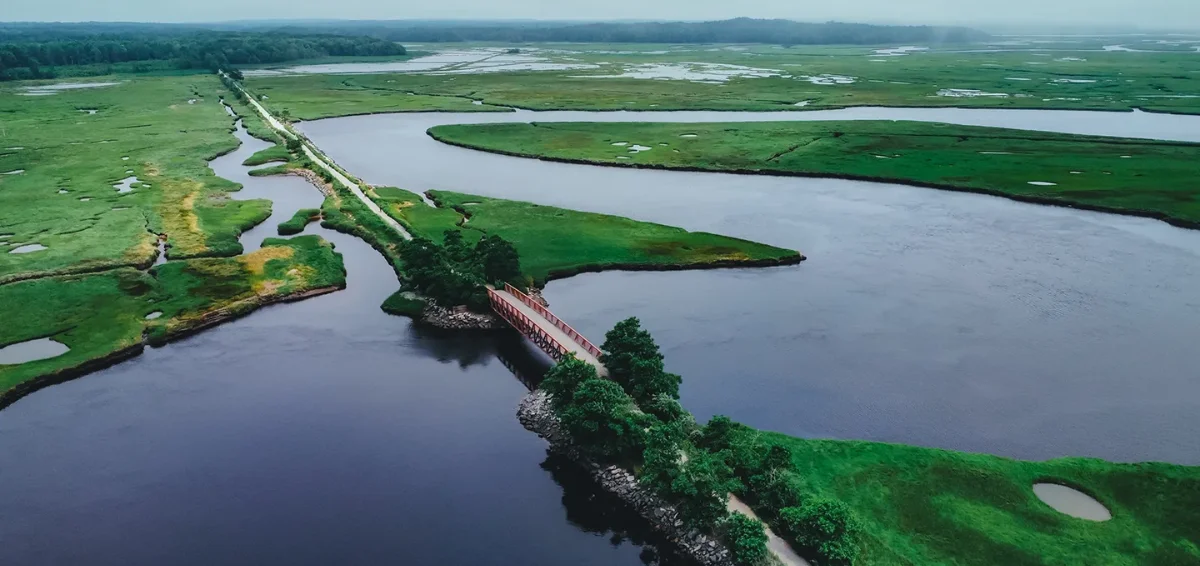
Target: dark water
[
  {"x": 926, "y": 317},
  {"x": 327, "y": 432},
  {"x": 321, "y": 432}
]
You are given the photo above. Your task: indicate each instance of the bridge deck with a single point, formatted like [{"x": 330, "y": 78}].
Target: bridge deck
[{"x": 553, "y": 330}]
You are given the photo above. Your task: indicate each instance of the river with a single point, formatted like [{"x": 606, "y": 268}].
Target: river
[
  {"x": 926, "y": 317},
  {"x": 319, "y": 432},
  {"x": 328, "y": 432}
]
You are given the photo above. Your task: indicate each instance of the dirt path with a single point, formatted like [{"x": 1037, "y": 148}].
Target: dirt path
[
  {"x": 324, "y": 163},
  {"x": 779, "y": 547}
]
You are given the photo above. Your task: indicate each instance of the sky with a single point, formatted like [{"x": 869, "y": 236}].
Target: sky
[{"x": 1169, "y": 14}]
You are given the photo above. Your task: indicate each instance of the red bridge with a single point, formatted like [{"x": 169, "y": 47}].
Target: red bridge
[{"x": 540, "y": 326}]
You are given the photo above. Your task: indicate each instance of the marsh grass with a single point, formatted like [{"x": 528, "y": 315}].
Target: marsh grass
[
  {"x": 98, "y": 314},
  {"x": 556, "y": 242},
  {"x": 1123, "y": 81},
  {"x": 168, "y": 143},
  {"x": 929, "y": 506},
  {"x": 1156, "y": 179}
]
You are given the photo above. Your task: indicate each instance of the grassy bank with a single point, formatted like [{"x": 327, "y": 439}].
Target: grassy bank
[
  {"x": 99, "y": 314},
  {"x": 1118, "y": 175},
  {"x": 555, "y": 242},
  {"x": 928, "y": 506}
]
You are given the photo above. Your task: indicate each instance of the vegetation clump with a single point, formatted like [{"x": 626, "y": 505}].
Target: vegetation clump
[
  {"x": 299, "y": 221},
  {"x": 454, "y": 273}
]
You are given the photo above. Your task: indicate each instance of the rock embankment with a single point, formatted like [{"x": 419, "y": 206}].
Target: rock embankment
[
  {"x": 536, "y": 414},
  {"x": 460, "y": 319}
]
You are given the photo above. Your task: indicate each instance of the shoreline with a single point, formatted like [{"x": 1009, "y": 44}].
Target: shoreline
[
  {"x": 536, "y": 416},
  {"x": 1154, "y": 215},
  {"x": 229, "y": 313},
  {"x": 786, "y": 108}
]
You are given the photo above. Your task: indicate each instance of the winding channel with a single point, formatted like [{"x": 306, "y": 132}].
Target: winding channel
[{"x": 326, "y": 431}]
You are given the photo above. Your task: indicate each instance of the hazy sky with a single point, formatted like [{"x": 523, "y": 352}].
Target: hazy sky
[{"x": 1145, "y": 13}]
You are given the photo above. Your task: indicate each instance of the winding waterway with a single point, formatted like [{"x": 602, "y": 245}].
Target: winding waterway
[
  {"x": 327, "y": 432},
  {"x": 319, "y": 432},
  {"x": 926, "y": 317}
]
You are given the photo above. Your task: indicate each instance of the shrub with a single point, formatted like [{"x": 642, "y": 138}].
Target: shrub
[
  {"x": 564, "y": 378},
  {"x": 634, "y": 360},
  {"x": 603, "y": 421},
  {"x": 825, "y": 526},
  {"x": 718, "y": 433},
  {"x": 746, "y": 539}
]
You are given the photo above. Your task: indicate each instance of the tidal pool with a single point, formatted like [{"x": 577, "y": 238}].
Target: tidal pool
[
  {"x": 1071, "y": 502},
  {"x": 27, "y": 248},
  {"x": 32, "y": 350},
  {"x": 126, "y": 185}
]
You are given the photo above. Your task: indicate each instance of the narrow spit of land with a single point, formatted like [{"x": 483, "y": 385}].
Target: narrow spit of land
[{"x": 1124, "y": 176}]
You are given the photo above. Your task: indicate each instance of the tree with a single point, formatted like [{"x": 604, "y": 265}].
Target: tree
[
  {"x": 647, "y": 380},
  {"x": 701, "y": 489},
  {"x": 827, "y": 527},
  {"x": 746, "y": 539},
  {"x": 500, "y": 259},
  {"x": 718, "y": 433},
  {"x": 564, "y": 378},
  {"x": 452, "y": 242},
  {"x": 634, "y": 360},
  {"x": 670, "y": 412},
  {"x": 294, "y": 145},
  {"x": 602, "y": 420},
  {"x": 660, "y": 460}
]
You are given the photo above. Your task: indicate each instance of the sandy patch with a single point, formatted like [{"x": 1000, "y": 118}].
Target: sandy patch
[{"x": 257, "y": 261}]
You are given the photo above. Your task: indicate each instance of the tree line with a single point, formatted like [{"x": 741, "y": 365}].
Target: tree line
[
  {"x": 739, "y": 30},
  {"x": 634, "y": 419},
  {"x": 26, "y": 56}
]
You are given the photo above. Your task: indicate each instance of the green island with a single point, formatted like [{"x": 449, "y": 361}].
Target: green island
[
  {"x": 556, "y": 242},
  {"x": 1127, "y": 176},
  {"x": 850, "y": 502}
]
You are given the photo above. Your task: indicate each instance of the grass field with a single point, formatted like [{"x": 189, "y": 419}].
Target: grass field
[
  {"x": 924, "y": 506},
  {"x": 1118, "y": 175},
  {"x": 70, "y": 159},
  {"x": 98, "y": 314},
  {"x": 555, "y": 242},
  {"x": 1069, "y": 75}
]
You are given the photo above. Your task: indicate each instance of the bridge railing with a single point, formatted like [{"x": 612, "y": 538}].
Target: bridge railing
[
  {"x": 527, "y": 326},
  {"x": 575, "y": 335}
]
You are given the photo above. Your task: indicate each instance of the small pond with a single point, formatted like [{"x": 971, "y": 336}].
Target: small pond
[
  {"x": 32, "y": 350},
  {"x": 28, "y": 248},
  {"x": 1071, "y": 502}
]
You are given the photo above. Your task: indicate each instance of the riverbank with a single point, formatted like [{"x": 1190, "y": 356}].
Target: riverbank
[
  {"x": 107, "y": 317},
  {"x": 536, "y": 415},
  {"x": 928, "y": 506},
  {"x": 1121, "y": 176}
]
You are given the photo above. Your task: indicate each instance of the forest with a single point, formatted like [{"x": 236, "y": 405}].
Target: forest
[{"x": 37, "y": 53}]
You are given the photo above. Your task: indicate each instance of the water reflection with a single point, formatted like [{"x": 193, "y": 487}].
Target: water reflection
[{"x": 594, "y": 510}]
